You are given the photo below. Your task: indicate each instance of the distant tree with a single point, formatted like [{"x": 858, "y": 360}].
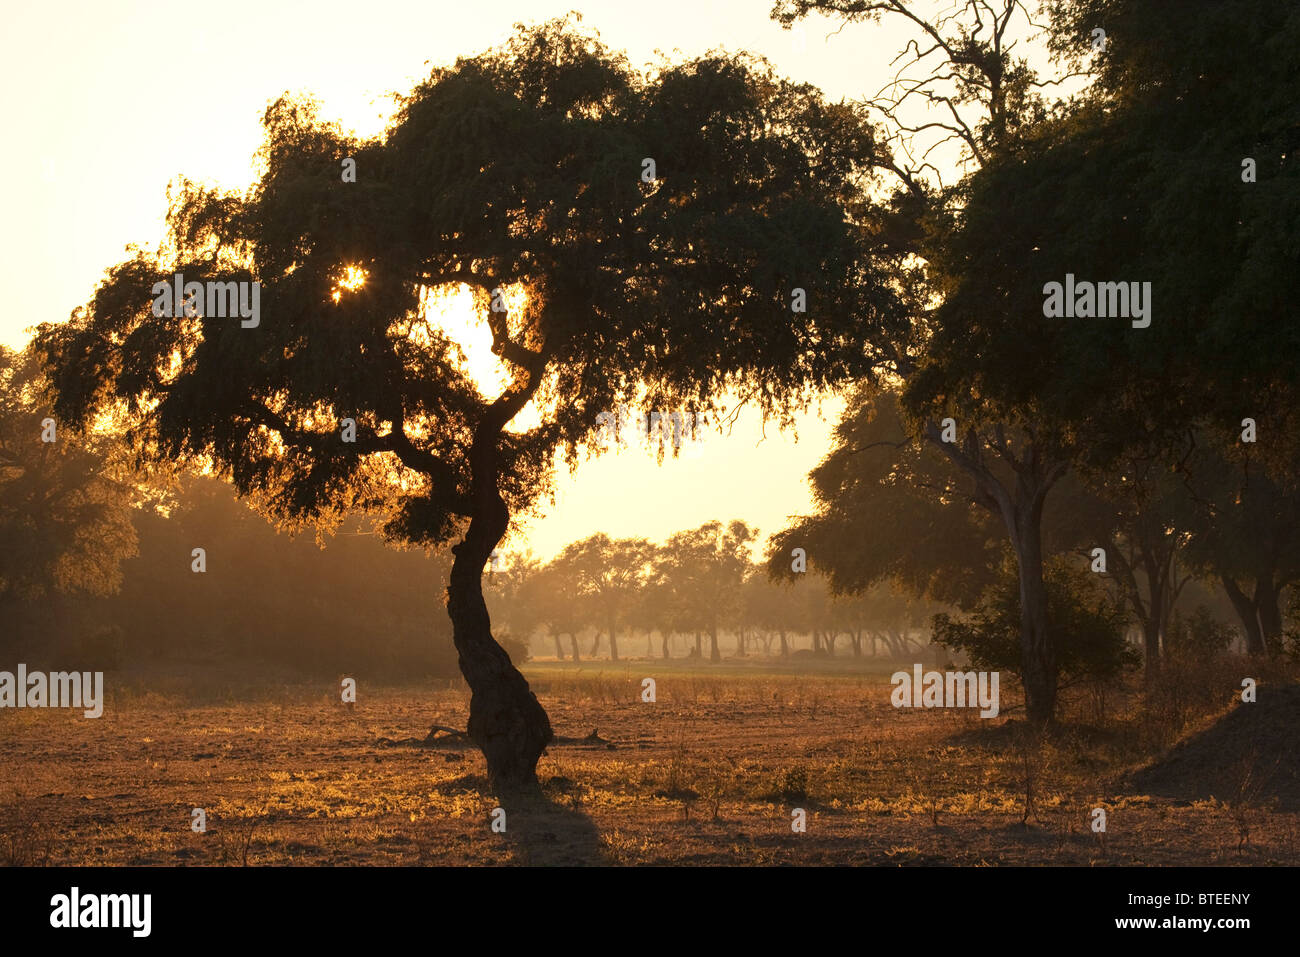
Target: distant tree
[
  {"x": 815, "y": 606},
  {"x": 1246, "y": 534},
  {"x": 65, "y": 505},
  {"x": 610, "y": 575},
  {"x": 1198, "y": 636},
  {"x": 557, "y": 598},
  {"x": 625, "y": 238},
  {"x": 776, "y": 605},
  {"x": 655, "y": 605},
  {"x": 705, "y": 572},
  {"x": 765, "y": 608},
  {"x": 512, "y": 593},
  {"x": 1139, "y": 512},
  {"x": 884, "y": 613},
  {"x": 343, "y": 602}
]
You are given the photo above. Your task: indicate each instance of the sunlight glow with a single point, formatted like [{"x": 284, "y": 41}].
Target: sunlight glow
[
  {"x": 461, "y": 316},
  {"x": 352, "y": 279}
]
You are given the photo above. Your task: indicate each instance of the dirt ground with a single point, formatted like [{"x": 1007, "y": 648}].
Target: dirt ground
[{"x": 712, "y": 772}]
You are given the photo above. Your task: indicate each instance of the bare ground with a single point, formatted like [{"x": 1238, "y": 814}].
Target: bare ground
[{"x": 710, "y": 773}]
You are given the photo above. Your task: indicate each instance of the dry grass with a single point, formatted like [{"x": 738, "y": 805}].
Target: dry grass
[{"x": 707, "y": 775}]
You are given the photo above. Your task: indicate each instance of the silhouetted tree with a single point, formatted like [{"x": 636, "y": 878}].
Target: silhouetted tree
[
  {"x": 1245, "y": 533},
  {"x": 513, "y": 594},
  {"x": 521, "y": 175}
]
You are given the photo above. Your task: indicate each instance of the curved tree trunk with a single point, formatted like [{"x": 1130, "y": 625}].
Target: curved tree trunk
[
  {"x": 506, "y": 721},
  {"x": 714, "y": 655}
]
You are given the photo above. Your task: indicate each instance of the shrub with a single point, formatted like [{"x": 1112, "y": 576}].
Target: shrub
[
  {"x": 1199, "y": 635},
  {"x": 1087, "y": 622},
  {"x": 516, "y": 648}
]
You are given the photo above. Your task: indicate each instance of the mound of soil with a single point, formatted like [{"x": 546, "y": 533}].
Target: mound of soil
[{"x": 1250, "y": 756}]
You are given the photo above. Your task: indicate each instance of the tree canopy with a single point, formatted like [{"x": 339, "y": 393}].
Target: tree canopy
[{"x": 682, "y": 236}]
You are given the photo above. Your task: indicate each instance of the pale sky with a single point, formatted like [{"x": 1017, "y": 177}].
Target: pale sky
[{"x": 107, "y": 102}]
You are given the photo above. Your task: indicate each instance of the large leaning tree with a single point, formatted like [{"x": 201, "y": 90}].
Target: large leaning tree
[{"x": 683, "y": 238}]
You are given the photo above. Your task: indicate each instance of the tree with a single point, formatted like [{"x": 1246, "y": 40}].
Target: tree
[
  {"x": 1131, "y": 183},
  {"x": 516, "y": 597},
  {"x": 960, "y": 64},
  {"x": 1245, "y": 532},
  {"x": 555, "y": 595},
  {"x": 520, "y": 175},
  {"x": 1198, "y": 636},
  {"x": 1144, "y": 523},
  {"x": 65, "y": 511},
  {"x": 705, "y": 571},
  {"x": 1091, "y": 621},
  {"x": 609, "y": 574},
  {"x": 320, "y": 606},
  {"x": 655, "y": 605},
  {"x": 884, "y": 613},
  {"x": 1123, "y": 181},
  {"x": 888, "y": 508},
  {"x": 767, "y": 608}
]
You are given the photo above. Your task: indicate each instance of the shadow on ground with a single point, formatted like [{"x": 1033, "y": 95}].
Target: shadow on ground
[{"x": 546, "y": 833}]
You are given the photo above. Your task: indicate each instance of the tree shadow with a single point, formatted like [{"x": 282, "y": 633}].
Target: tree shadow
[{"x": 546, "y": 833}]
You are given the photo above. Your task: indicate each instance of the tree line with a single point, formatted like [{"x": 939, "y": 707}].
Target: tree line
[{"x": 692, "y": 596}]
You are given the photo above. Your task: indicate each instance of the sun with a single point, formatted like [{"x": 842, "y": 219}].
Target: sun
[{"x": 352, "y": 279}]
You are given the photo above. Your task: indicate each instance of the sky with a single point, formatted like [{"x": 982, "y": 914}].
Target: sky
[{"x": 107, "y": 103}]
